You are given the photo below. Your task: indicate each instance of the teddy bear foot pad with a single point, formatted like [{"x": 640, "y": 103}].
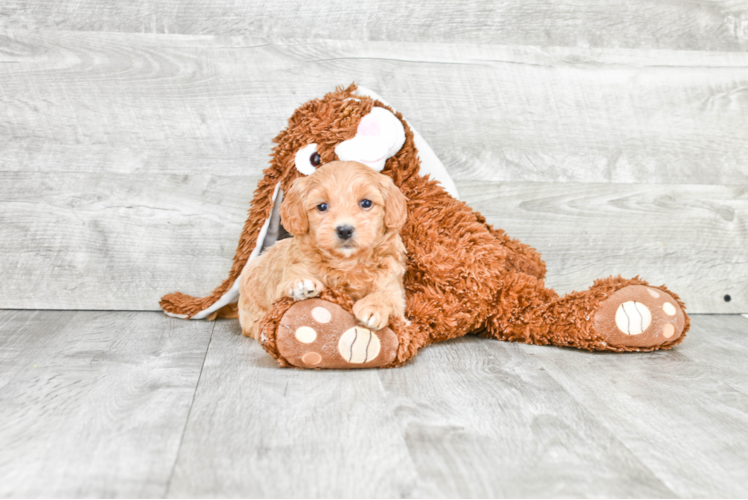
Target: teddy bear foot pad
[
  {"x": 639, "y": 316},
  {"x": 315, "y": 333}
]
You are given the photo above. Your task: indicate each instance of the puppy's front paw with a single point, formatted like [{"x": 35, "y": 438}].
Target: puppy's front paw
[
  {"x": 371, "y": 314},
  {"x": 301, "y": 289}
]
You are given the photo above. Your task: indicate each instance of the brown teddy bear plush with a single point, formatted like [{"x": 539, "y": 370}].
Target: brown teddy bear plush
[{"x": 463, "y": 276}]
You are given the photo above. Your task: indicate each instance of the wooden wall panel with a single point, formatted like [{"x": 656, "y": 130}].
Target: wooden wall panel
[
  {"x": 128, "y": 103},
  {"x": 103, "y": 241},
  {"x": 118, "y": 242},
  {"x": 690, "y": 238},
  {"x": 128, "y": 160},
  {"x": 713, "y": 25}
]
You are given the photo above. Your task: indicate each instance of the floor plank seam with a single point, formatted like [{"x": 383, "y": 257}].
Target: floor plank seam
[
  {"x": 594, "y": 415},
  {"x": 189, "y": 413}
]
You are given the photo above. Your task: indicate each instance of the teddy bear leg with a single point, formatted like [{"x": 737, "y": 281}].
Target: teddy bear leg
[
  {"x": 615, "y": 314},
  {"x": 318, "y": 333}
]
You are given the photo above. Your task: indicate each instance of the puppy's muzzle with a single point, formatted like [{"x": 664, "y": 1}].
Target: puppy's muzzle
[{"x": 344, "y": 232}]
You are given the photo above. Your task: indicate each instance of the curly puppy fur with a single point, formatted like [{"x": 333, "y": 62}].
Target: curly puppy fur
[
  {"x": 345, "y": 219},
  {"x": 462, "y": 275}
]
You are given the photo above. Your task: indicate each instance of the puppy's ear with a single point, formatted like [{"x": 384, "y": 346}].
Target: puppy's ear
[
  {"x": 395, "y": 203},
  {"x": 293, "y": 215}
]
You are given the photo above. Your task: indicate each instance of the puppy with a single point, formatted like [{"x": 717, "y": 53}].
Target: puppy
[{"x": 345, "y": 219}]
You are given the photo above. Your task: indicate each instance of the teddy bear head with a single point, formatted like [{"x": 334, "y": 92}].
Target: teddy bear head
[{"x": 344, "y": 125}]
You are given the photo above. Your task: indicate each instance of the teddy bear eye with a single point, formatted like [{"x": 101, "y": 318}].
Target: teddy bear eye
[
  {"x": 365, "y": 203},
  {"x": 315, "y": 160},
  {"x": 322, "y": 207},
  {"x": 307, "y": 159}
]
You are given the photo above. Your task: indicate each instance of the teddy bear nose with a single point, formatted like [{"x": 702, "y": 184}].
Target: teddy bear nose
[{"x": 344, "y": 232}]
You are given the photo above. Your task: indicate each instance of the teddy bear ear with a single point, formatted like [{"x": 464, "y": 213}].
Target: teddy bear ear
[
  {"x": 292, "y": 213},
  {"x": 430, "y": 163},
  {"x": 395, "y": 203}
]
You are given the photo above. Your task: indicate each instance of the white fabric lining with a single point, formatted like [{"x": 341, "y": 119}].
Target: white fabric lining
[
  {"x": 233, "y": 294},
  {"x": 430, "y": 163}
]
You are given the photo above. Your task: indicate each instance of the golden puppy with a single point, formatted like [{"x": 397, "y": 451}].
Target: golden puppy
[{"x": 345, "y": 219}]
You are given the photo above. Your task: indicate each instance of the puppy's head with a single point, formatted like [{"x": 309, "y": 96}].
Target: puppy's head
[{"x": 345, "y": 207}]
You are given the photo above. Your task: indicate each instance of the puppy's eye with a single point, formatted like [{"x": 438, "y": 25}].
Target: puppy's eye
[
  {"x": 315, "y": 160},
  {"x": 365, "y": 204},
  {"x": 322, "y": 207}
]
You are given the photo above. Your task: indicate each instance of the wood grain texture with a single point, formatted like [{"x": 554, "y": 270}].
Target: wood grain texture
[
  {"x": 483, "y": 420},
  {"x": 724, "y": 338},
  {"x": 257, "y": 430},
  {"x": 701, "y": 25},
  {"x": 104, "y": 241},
  {"x": 94, "y": 404},
  {"x": 690, "y": 238},
  {"x": 119, "y": 242},
  {"x": 470, "y": 418},
  {"x": 683, "y": 414},
  {"x": 128, "y": 103},
  {"x": 128, "y": 160}
]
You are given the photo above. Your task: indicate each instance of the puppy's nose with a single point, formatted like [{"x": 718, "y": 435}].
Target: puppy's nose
[{"x": 344, "y": 232}]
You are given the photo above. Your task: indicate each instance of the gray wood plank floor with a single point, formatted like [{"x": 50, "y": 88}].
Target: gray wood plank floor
[
  {"x": 123, "y": 404},
  {"x": 93, "y": 404}
]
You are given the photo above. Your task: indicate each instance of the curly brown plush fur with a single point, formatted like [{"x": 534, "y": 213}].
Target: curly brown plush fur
[{"x": 463, "y": 276}]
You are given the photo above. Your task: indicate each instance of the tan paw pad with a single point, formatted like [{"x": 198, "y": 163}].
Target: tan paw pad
[
  {"x": 311, "y": 358},
  {"x": 668, "y": 308},
  {"x": 305, "y": 334},
  {"x": 359, "y": 345},
  {"x": 321, "y": 315},
  {"x": 668, "y": 330},
  {"x": 633, "y": 318}
]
